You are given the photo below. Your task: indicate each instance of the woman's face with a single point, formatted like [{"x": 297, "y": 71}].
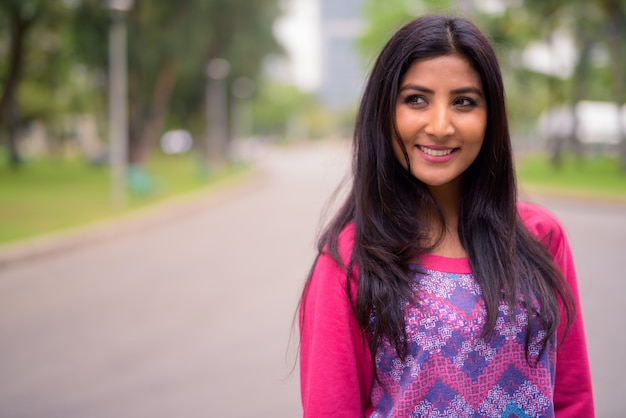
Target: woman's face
[{"x": 441, "y": 117}]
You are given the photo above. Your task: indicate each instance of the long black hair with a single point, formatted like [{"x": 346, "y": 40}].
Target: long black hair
[{"x": 385, "y": 200}]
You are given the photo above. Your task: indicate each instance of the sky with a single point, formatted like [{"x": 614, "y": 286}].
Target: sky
[{"x": 298, "y": 30}]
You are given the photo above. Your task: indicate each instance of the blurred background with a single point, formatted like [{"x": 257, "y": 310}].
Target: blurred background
[
  {"x": 135, "y": 84},
  {"x": 164, "y": 167}
]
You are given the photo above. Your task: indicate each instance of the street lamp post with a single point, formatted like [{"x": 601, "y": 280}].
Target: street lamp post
[
  {"x": 118, "y": 100},
  {"x": 217, "y": 118},
  {"x": 241, "y": 113}
]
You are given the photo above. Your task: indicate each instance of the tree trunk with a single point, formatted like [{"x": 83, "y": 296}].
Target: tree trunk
[
  {"x": 152, "y": 125},
  {"x": 617, "y": 37},
  {"x": 12, "y": 123},
  {"x": 579, "y": 84},
  {"x": 8, "y": 100}
]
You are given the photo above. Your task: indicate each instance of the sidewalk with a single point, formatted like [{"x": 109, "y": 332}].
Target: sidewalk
[{"x": 134, "y": 221}]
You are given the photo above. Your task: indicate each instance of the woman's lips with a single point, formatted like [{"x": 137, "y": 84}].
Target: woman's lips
[
  {"x": 440, "y": 152},
  {"x": 437, "y": 154}
]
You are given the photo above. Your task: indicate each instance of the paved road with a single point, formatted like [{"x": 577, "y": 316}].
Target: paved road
[
  {"x": 191, "y": 316},
  {"x": 597, "y": 234}
]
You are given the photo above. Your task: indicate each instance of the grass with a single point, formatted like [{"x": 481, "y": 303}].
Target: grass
[
  {"x": 596, "y": 176},
  {"x": 50, "y": 195}
]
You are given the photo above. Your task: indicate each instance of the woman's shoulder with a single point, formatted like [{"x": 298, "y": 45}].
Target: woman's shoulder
[
  {"x": 542, "y": 224},
  {"x": 346, "y": 240},
  {"x": 331, "y": 265},
  {"x": 538, "y": 217},
  {"x": 344, "y": 243}
]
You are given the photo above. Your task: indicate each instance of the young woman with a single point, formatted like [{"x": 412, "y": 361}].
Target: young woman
[{"x": 435, "y": 293}]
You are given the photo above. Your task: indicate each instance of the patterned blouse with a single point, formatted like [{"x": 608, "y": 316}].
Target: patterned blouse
[{"x": 450, "y": 370}]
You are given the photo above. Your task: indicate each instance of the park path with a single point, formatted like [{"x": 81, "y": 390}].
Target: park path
[{"x": 190, "y": 315}]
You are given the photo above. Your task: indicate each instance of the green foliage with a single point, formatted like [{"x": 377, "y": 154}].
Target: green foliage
[
  {"x": 45, "y": 67},
  {"x": 284, "y": 112},
  {"x": 382, "y": 20},
  {"x": 169, "y": 44},
  {"x": 239, "y": 31},
  {"x": 275, "y": 104}
]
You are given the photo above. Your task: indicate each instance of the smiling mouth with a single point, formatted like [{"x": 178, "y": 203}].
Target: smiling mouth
[{"x": 436, "y": 152}]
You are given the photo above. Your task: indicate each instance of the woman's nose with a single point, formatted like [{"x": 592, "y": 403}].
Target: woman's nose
[{"x": 439, "y": 122}]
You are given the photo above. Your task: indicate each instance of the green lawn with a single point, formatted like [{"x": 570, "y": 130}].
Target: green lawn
[
  {"x": 590, "y": 177},
  {"x": 48, "y": 195}
]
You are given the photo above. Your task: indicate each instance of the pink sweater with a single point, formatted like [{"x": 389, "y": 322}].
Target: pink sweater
[{"x": 450, "y": 370}]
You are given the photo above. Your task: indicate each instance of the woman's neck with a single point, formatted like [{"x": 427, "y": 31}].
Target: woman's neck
[{"x": 447, "y": 198}]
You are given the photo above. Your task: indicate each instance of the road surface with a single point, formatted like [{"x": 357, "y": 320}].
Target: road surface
[{"x": 190, "y": 315}]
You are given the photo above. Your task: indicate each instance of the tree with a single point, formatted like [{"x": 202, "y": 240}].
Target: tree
[
  {"x": 19, "y": 18},
  {"x": 382, "y": 19},
  {"x": 615, "y": 14},
  {"x": 170, "y": 44}
]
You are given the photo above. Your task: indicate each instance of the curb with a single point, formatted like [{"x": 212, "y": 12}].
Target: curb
[
  {"x": 534, "y": 190},
  {"x": 132, "y": 222}
]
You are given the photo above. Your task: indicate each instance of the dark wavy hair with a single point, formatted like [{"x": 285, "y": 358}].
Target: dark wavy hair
[{"x": 385, "y": 201}]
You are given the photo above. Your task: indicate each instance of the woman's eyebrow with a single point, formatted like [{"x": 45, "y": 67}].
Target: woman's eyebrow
[
  {"x": 416, "y": 88},
  {"x": 465, "y": 90},
  {"x": 462, "y": 90}
]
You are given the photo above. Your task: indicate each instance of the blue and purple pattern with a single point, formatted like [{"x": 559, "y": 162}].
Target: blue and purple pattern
[{"x": 450, "y": 370}]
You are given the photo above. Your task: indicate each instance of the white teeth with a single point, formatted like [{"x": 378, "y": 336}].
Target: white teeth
[{"x": 436, "y": 152}]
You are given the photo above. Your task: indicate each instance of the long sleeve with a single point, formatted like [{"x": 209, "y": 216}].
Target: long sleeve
[
  {"x": 573, "y": 395},
  {"x": 335, "y": 365}
]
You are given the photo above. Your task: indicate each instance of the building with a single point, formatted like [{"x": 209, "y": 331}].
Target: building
[{"x": 342, "y": 70}]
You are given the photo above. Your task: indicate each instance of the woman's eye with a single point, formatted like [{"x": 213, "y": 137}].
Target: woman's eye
[
  {"x": 414, "y": 100},
  {"x": 464, "y": 102}
]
